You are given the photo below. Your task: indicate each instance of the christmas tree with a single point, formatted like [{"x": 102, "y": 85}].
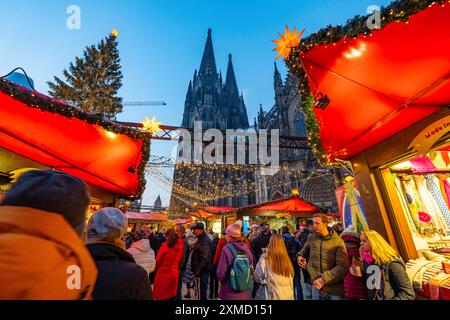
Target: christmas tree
[{"x": 92, "y": 82}]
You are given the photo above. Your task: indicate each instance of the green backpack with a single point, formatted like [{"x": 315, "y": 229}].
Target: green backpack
[{"x": 241, "y": 271}]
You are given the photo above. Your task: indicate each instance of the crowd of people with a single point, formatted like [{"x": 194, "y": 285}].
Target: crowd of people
[{"x": 48, "y": 252}]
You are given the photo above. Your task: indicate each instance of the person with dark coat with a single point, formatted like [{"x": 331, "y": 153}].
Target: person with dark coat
[
  {"x": 304, "y": 277},
  {"x": 181, "y": 232},
  {"x": 200, "y": 260},
  {"x": 261, "y": 242},
  {"x": 383, "y": 265},
  {"x": 325, "y": 258},
  {"x": 309, "y": 229},
  {"x": 293, "y": 246},
  {"x": 213, "y": 282},
  {"x": 155, "y": 244},
  {"x": 258, "y": 246},
  {"x": 354, "y": 288},
  {"x": 119, "y": 277}
]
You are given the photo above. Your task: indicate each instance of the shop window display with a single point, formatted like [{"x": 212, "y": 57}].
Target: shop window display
[{"x": 423, "y": 188}]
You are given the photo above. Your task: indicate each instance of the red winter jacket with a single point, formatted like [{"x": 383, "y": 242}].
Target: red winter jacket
[{"x": 167, "y": 270}]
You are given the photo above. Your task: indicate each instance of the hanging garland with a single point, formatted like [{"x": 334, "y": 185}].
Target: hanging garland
[
  {"x": 41, "y": 102},
  {"x": 398, "y": 11}
]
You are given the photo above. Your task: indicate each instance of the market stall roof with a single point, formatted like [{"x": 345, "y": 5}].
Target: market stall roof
[
  {"x": 65, "y": 138},
  {"x": 292, "y": 205},
  {"x": 210, "y": 212},
  {"x": 379, "y": 82},
  {"x": 145, "y": 216},
  {"x": 182, "y": 221}
]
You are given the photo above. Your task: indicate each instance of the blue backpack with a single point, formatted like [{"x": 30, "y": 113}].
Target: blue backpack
[{"x": 241, "y": 271}]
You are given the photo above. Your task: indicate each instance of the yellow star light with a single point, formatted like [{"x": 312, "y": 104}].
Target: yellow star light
[
  {"x": 287, "y": 42},
  {"x": 151, "y": 125},
  {"x": 115, "y": 32}
]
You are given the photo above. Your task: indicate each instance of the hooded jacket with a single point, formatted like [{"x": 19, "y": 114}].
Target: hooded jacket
[
  {"x": 39, "y": 256},
  {"x": 326, "y": 258},
  {"x": 143, "y": 254}
]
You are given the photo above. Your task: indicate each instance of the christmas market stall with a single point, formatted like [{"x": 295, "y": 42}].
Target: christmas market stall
[
  {"x": 376, "y": 97},
  {"x": 292, "y": 211},
  {"x": 212, "y": 217},
  {"x": 38, "y": 132},
  {"x": 138, "y": 220}
]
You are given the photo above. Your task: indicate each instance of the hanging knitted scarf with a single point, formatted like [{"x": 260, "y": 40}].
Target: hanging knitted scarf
[{"x": 437, "y": 195}]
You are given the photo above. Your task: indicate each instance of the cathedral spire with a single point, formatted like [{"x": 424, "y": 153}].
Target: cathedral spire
[
  {"x": 208, "y": 64},
  {"x": 189, "y": 92},
  {"x": 277, "y": 81},
  {"x": 230, "y": 81}
]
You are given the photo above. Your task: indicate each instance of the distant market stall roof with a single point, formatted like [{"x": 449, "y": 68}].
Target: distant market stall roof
[
  {"x": 65, "y": 138},
  {"x": 145, "y": 216},
  {"x": 210, "y": 212},
  {"x": 379, "y": 82}
]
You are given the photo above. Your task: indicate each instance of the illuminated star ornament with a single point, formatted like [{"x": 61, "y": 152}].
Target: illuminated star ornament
[
  {"x": 115, "y": 32},
  {"x": 151, "y": 126},
  {"x": 287, "y": 42}
]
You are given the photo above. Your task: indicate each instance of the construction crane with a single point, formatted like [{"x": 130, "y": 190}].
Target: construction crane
[{"x": 143, "y": 103}]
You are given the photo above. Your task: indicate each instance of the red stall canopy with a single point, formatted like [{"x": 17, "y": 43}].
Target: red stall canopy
[
  {"x": 379, "y": 84},
  {"x": 67, "y": 139},
  {"x": 293, "y": 205},
  {"x": 145, "y": 216}
]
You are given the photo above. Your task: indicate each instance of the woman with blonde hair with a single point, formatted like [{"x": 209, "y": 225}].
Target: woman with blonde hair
[
  {"x": 275, "y": 272},
  {"x": 383, "y": 269}
]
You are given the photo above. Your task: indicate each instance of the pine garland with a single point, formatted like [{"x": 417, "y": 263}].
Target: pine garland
[
  {"x": 41, "y": 102},
  {"x": 399, "y": 11}
]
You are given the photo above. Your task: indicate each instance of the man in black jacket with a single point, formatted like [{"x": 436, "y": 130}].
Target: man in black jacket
[
  {"x": 261, "y": 242},
  {"x": 201, "y": 255}
]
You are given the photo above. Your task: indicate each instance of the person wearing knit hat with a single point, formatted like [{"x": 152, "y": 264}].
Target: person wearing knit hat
[
  {"x": 105, "y": 231},
  {"x": 42, "y": 220},
  {"x": 107, "y": 224},
  {"x": 235, "y": 243},
  {"x": 234, "y": 230},
  {"x": 51, "y": 191}
]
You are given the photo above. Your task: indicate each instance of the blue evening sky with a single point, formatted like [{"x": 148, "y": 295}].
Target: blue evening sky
[{"x": 161, "y": 43}]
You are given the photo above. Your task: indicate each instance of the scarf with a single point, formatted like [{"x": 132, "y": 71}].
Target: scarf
[{"x": 367, "y": 257}]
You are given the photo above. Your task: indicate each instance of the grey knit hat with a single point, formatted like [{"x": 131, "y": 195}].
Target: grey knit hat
[
  {"x": 51, "y": 191},
  {"x": 107, "y": 224}
]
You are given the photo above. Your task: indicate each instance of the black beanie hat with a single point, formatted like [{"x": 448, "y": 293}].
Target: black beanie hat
[{"x": 51, "y": 191}]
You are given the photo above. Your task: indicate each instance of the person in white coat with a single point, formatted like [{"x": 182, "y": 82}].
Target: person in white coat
[
  {"x": 141, "y": 251},
  {"x": 274, "y": 272}
]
